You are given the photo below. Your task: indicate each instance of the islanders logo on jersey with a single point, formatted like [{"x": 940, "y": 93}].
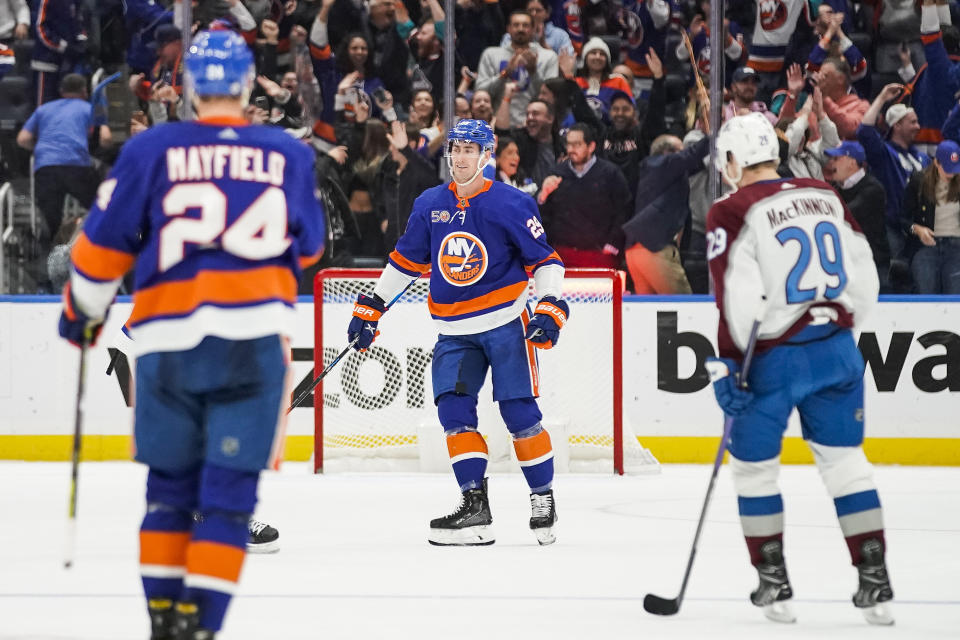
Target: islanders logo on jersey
[
  {"x": 773, "y": 14},
  {"x": 462, "y": 259}
]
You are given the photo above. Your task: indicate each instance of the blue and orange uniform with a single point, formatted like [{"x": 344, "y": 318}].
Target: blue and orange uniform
[{"x": 217, "y": 218}]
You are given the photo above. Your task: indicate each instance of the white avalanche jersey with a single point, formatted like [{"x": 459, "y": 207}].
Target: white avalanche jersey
[{"x": 794, "y": 242}]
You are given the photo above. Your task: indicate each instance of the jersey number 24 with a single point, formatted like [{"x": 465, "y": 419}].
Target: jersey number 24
[
  {"x": 829, "y": 256},
  {"x": 259, "y": 232}
]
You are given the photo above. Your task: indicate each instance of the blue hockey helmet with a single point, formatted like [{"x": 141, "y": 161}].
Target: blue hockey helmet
[
  {"x": 219, "y": 63},
  {"x": 477, "y": 131}
]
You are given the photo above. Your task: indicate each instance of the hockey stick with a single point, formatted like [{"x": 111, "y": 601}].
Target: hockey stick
[
  {"x": 75, "y": 455},
  {"x": 313, "y": 385},
  {"x": 667, "y": 607}
]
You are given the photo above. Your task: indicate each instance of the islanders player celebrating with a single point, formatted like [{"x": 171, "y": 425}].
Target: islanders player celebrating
[{"x": 479, "y": 239}]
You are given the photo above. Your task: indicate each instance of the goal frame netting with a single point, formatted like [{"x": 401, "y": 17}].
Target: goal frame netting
[{"x": 617, "y": 284}]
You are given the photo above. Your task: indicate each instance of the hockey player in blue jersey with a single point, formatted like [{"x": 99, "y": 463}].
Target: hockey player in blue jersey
[
  {"x": 219, "y": 217},
  {"x": 480, "y": 240},
  {"x": 788, "y": 251}
]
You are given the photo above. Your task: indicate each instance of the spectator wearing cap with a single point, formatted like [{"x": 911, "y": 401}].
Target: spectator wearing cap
[
  {"x": 546, "y": 33},
  {"x": 892, "y": 160},
  {"x": 865, "y": 198},
  {"x": 584, "y": 204},
  {"x": 932, "y": 204},
  {"x": 523, "y": 62},
  {"x": 625, "y": 142},
  {"x": 60, "y": 45},
  {"x": 141, "y": 19},
  {"x": 662, "y": 211},
  {"x": 57, "y": 133},
  {"x": 840, "y": 102},
  {"x": 595, "y": 80},
  {"x": 162, "y": 87},
  {"x": 743, "y": 94}
]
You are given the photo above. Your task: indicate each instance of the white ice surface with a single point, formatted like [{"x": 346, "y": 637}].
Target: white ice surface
[{"x": 354, "y": 561}]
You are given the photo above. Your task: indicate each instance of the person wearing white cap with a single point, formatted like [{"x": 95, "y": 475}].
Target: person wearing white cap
[
  {"x": 932, "y": 204},
  {"x": 595, "y": 80},
  {"x": 892, "y": 160}
]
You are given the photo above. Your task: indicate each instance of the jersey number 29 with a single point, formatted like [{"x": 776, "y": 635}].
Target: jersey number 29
[
  {"x": 830, "y": 259},
  {"x": 260, "y": 232}
]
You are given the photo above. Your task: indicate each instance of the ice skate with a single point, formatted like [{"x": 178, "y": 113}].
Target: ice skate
[
  {"x": 263, "y": 538},
  {"x": 161, "y": 619},
  {"x": 774, "y": 590},
  {"x": 469, "y": 525},
  {"x": 187, "y": 623},
  {"x": 543, "y": 516},
  {"x": 874, "y": 593}
]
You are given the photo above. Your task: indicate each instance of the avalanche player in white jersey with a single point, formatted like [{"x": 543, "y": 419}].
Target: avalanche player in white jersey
[
  {"x": 789, "y": 252},
  {"x": 219, "y": 217},
  {"x": 480, "y": 239}
]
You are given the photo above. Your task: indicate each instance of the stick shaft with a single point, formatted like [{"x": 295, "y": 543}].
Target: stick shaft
[{"x": 75, "y": 459}]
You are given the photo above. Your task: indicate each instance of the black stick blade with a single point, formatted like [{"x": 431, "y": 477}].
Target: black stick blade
[{"x": 660, "y": 606}]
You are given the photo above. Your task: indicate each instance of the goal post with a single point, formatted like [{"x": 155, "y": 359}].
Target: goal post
[{"x": 378, "y": 405}]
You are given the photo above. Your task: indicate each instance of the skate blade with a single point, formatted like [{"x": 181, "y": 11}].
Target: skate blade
[
  {"x": 264, "y": 547},
  {"x": 545, "y": 536},
  {"x": 780, "y": 612},
  {"x": 467, "y": 537},
  {"x": 879, "y": 614}
]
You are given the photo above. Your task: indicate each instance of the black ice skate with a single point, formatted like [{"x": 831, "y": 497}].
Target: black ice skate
[
  {"x": 187, "y": 623},
  {"x": 161, "y": 619},
  {"x": 263, "y": 538},
  {"x": 543, "y": 516},
  {"x": 774, "y": 590},
  {"x": 469, "y": 525},
  {"x": 874, "y": 594}
]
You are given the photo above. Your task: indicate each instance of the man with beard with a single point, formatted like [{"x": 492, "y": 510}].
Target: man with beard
[
  {"x": 584, "y": 204},
  {"x": 523, "y": 63},
  {"x": 537, "y": 140},
  {"x": 743, "y": 92},
  {"x": 626, "y": 143}
]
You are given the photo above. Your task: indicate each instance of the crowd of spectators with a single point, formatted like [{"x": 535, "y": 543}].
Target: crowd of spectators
[{"x": 594, "y": 103}]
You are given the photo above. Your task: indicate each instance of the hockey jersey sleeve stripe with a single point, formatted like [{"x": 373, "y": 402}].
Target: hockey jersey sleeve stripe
[
  {"x": 219, "y": 288},
  {"x": 407, "y": 266},
  {"x": 98, "y": 263},
  {"x": 553, "y": 258},
  {"x": 308, "y": 261},
  {"x": 167, "y": 548},
  {"x": 215, "y": 559},
  {"x": 319, "y": 53},
  {"x": 496, "y": 298}
]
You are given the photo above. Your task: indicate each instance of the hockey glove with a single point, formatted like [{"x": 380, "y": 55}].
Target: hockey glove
[
  {"x": 551, "y": 314},
  {"x": 725, "y": 374},
  {"x": 363, "y": 324},
  {"x": 76, "y": 326}
]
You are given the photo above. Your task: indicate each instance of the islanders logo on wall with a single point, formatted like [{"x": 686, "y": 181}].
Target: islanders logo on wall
[
  {"x": 773, "y": 14},
  {"x": 462, "y": 259}
]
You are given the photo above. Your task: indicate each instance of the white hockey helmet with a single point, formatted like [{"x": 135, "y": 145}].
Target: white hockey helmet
[{"x": 748, "y": 140}]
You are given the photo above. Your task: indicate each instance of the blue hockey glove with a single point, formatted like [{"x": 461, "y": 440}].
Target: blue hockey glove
[
  {"x": 366, "y": 315},
  {"x": 76, "y": 326},
  {"x": 725, "y": 374},
  {"x": 551, "y": 314}
]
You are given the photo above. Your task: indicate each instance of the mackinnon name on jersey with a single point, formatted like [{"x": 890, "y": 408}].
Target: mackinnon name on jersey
[
  {"x": 797, "y": 207},
  {"x": 208, "y": 162}
]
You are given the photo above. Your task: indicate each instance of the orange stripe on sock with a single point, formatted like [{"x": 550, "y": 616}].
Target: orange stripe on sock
[
  {"x": 167, "y": 548},
  {"x": 533, "y": 447},
  {"x": 215, "y": 560},
  {"x": 466, "y": 442}
]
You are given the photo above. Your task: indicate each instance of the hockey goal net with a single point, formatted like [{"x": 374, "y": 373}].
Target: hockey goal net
[{"x": 375, "y": 409}]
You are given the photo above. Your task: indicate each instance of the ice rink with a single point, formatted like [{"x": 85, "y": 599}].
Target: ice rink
[{"x": 354, "y": 561}]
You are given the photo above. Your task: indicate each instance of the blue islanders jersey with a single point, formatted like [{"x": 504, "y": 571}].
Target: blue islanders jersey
[
  {"x": 219, "y": 217},
  {"x": 480, "y": 250}
]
